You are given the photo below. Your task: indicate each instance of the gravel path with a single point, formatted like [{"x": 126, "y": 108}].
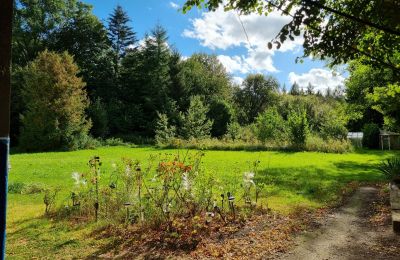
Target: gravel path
[{"x": 348, "y": 234}]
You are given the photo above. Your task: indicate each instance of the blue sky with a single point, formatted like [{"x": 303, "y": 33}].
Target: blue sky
[{"x": 221, "y": 33}]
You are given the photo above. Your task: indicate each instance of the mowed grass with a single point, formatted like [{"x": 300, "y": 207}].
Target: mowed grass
[{"x": 304, "y": 179}]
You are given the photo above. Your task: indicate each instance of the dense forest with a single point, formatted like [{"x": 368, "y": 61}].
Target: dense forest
[{"x": 76, "y": 79}]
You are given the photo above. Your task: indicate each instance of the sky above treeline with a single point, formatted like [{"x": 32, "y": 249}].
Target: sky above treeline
[{"x": 222, "y": 34}]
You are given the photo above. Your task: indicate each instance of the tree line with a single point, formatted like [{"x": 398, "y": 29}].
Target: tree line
[{"x": 75, "y": 77}]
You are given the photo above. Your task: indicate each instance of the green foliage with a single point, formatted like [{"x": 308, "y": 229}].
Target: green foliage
[
  {"x": 15, "y": 187},
  {"x": 270, "y": 126},
  {"x": 298, "y": 127},
  {"x": 233, "y": 130},
  {"x": 371, "y": 136},
  {"x": 295, "y": 89},
  {"x": 114, "y": 142},
  {"x": 391, "y": 168},
  {"x": 329, "y": 33},
  {"x": 120, "y": 34},
  {"x": 334, "y": 126},
  {"x": 386, "y": 100},
  {"x": 99, "y": 117},
  {"x": 327, "y": 145},
  {"x": 221, "y": 113},
  {"x": 202, "y": 75},
  {"x": 195, "y": 122},
  {"x": 360, "y": 84},
  {"x": 164, "y": 131},
  {"x": 258, "y": 93},
  {"x": 55, "y": 101},
  {"x": 49, "y": 199}
]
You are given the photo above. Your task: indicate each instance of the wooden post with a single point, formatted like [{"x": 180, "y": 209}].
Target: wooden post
[{"x": 6, "y": 14}]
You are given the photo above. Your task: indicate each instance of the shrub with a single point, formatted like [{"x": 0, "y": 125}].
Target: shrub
[
  {"x": 233, "y": 130},
  {"x": 49, "y": 199},
  {"x": 164, "y": 131},
  {"x": 318, "y": 144},
  {"x": 270, "y": 126},
  {"x": 15, "y": 187},
  {"x": 299, "y": 129},
  {"x": 55, "y": 100},
  {"x": 221, "y": 113},
  {"x": 33, "y": 188},
  {"x": 113, "y": 141},
  {"x": 195, "y": 123},
  {"x": 391, "y": 169},
  {"x": 371, "y": 136}
]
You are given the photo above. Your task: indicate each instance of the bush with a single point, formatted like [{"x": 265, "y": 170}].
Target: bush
[
  {"x": 233, "y": 130},
  {"x": 164, "y": 131},
  {"x": 391, "y": 169},
  {"x": 15, "y": 187},
  {"x": 33, "y": 188},
  {"x": 114, "y": 142},
  {"x": 299, "y": 129},
  {"x": 371, "y": 136},
  {"x": 270, "y": 126},
  {"x": 195, "y": 123},
  {"x": 318, "y": 144}
]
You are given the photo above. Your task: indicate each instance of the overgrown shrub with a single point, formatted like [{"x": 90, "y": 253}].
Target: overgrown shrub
[
  {"x": 391, "y": 169},
  {"x": 371, "y": 136},
  {"x": 233, "y": 130},
  {"x": 113, "y": 141},
  {"x": 298, "y": 127},
  {"x": 318, "y": 144},
  {"x": 195, "y": 122},
  {"x": 15, "y": 187},
  {"x": 270, "y": 126},
  {"x": 164, "y": 131}
]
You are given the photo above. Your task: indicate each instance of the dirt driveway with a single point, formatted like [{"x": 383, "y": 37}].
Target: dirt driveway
[{"x": 350, "y": 234}]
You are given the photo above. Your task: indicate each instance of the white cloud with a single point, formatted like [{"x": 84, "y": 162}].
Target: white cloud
[
  {"x": 321, "y": 79},
  {"x": 237, "y": 80},
  {"x": 255, "y": 61},
  {"x": 222, "y": 30},
  {"x": 174, "y": 5}
]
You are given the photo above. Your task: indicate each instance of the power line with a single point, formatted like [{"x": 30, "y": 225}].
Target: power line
[{"x": 244, "y": 30}]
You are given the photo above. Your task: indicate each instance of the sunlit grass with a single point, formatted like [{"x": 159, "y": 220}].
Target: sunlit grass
[{"x": 303, "y": 179}]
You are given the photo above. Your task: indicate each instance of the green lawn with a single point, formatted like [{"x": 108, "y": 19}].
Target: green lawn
[{"x": 293, "y": 179}]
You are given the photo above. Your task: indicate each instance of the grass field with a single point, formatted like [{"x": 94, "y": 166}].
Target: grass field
[{"x": 303, "y": 179}]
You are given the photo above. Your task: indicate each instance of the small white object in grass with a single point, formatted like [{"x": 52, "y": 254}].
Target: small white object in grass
[
  {"x": 78, "y": 178},
  {"x": 248, "y": 178}
]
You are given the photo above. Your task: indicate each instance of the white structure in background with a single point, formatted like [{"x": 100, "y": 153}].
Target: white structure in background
[
  {"x": 389, "y": 139},
  {"x": 355, "y": 138}
]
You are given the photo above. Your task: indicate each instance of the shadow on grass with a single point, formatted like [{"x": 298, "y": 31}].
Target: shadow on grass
[{"x": 315, "y": 184}]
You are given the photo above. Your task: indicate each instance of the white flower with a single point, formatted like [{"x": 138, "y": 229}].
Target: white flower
[
  {"x": 78, "y": 179},
  {"x": 128, "y": 170},
  {"x": 248, "y": 178},
  {"x": 186, "y": 182}
]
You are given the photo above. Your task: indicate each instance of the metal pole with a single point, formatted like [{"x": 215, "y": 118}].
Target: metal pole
[{"x": 6, "y": 14}]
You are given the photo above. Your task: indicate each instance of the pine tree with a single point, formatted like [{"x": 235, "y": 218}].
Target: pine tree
[
  {"x": 195, "y": 123},
  {"x": 310, "y": 89},
  {"x": 164, "y": 131},
  {"x": 284, "y": 90},
  {"x": 155, "y": 78},
  {"x": 120, "y": 34},
  {"x": 295, "y": 90}
]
